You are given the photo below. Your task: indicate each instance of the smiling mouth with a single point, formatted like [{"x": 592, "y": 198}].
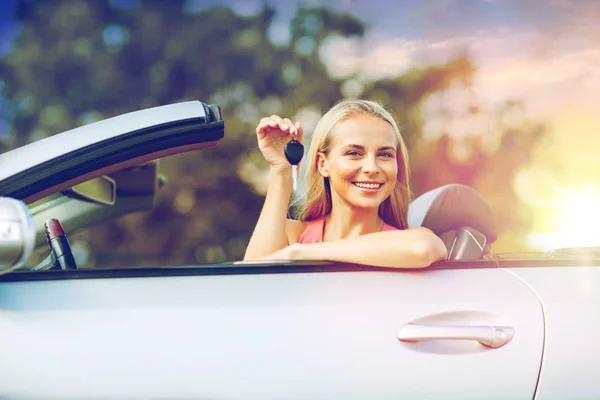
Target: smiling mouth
[{"x": 368, "y": 185}]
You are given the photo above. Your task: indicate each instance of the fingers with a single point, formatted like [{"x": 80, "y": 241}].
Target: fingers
[
  {"x": 264, "y": 125},
  {"x": 299, "y": 131},
  {"x": 272, "y": 123},
  {"x": 276, "y": 123}
]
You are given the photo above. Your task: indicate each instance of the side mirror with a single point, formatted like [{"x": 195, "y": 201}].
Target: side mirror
[{"x": 17, "y": 234}]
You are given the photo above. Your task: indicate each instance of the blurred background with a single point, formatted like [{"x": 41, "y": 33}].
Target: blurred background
[{"x": 500, "y": 95}]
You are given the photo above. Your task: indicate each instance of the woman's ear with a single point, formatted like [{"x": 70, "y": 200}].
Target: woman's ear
[{"x": 322, "y": 165}]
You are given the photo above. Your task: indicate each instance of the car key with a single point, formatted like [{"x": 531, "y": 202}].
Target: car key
[{"x": 294, "y": 150}]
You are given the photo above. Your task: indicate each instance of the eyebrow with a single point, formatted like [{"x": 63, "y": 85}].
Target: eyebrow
[{"x": 359, "y": 147}]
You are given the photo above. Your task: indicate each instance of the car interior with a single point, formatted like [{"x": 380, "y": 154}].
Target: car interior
[{"x": 459, "y": 216}]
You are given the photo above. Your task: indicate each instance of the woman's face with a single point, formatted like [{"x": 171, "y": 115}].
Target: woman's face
[{"x": 361, "y": 164}]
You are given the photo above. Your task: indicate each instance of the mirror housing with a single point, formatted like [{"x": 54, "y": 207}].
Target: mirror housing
[{"x": 17, "y": 234}]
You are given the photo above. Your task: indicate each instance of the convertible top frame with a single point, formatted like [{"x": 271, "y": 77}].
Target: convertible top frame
[{"x": 42, "y": 168}]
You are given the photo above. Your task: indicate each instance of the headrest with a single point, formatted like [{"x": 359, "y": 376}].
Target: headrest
[{"x": 451, "y": 207}]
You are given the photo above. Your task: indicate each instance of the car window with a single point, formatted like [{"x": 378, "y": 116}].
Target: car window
[{"x": 177, "y": 218}]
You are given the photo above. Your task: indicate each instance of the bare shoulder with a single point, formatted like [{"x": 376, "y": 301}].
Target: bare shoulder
[{"x": 294, "y": 229}]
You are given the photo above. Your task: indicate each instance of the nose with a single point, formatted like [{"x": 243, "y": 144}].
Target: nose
[{"x": 370, "y": 165}]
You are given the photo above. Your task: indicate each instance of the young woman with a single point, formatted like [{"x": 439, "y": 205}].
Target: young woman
[{"x": 355, "y": 208}]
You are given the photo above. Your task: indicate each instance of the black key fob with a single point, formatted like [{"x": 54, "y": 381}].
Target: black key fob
[{"x": 294, "y": 150}]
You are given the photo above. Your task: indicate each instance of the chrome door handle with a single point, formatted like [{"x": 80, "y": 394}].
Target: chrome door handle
[{"x": 491, "y": 336}]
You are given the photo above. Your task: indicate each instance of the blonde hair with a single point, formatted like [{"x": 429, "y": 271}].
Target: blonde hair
[{"x": 316, "y": 203}]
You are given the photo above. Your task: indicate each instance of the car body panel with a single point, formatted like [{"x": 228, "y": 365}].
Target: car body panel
[
  {"x": 267, "y": 335},
  {"x": 571, "y": 300}
]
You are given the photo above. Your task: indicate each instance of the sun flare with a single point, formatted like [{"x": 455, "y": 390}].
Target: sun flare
[
  {"x": 580, "y": 214},
  {"x": 577, "y": 222}
]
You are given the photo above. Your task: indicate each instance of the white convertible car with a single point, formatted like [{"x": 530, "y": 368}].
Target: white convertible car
[{"x": 476, "y": 326}]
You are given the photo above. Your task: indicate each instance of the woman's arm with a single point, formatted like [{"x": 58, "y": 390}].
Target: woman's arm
[
  {"x": 409, "y": 248},
  {"x": 270, "y": 233}
]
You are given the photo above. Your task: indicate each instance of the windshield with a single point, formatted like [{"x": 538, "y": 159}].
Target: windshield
[{"x": 504, "y": 101}]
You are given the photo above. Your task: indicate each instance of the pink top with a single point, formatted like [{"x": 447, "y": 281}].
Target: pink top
[{"x": 314, "y": 231}]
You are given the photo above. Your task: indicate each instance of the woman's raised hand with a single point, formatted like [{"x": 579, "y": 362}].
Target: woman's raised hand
[{"x": 273, "y": 133}]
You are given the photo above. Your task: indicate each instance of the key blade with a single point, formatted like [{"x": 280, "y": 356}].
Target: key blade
[{"x": 294, "y": 177}]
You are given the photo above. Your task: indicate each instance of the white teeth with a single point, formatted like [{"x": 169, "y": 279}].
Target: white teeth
[{"x": 368, "y": 185}]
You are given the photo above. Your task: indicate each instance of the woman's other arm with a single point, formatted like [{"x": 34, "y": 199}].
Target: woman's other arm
[{"x": 409, "y": 248}]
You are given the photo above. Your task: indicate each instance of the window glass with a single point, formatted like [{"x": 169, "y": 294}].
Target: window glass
[{"x": 189, "y": 220}]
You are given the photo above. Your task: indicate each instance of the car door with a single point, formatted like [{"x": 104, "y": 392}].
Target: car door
[
  {"x": 569, "y": 287},
  {"x": 270, "y": 332}
]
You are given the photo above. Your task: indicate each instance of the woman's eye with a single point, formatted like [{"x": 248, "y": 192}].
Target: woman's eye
[
  {"x": 352, "y": 153},
  {"x": 386, "y": 154}
]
